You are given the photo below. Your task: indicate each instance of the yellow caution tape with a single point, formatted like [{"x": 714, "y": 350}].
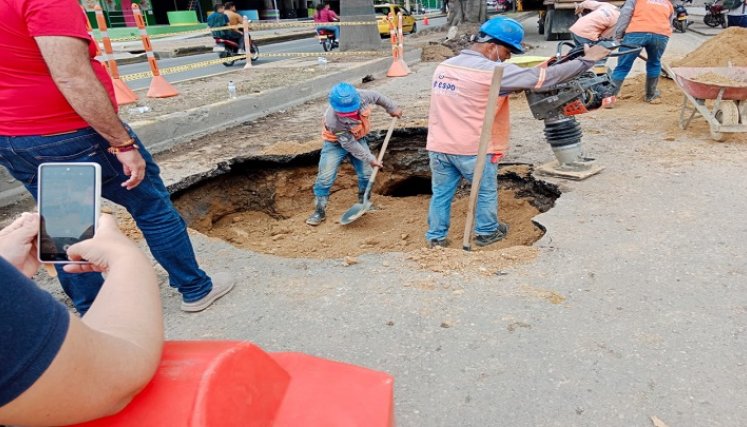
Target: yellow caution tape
[
  {"x": 252, "y": 26},
  {"x": 211, "y": 62}
]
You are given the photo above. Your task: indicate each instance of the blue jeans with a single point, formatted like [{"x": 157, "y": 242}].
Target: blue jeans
[
  {"x": 654, "y": 44},
  {"x": 330, "y": 160},
  {"x": 446, "y": 172},
  {"x": 333, "y": 28},
  {"x": 148, "y": 203}
]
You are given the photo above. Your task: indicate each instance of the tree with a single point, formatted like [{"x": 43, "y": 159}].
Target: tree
[{"x": 466, "y": 11}]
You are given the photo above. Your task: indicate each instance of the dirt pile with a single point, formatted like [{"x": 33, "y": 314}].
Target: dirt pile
[
  {"x": 731, "y": 80},
  {"x": 488, "y": 262},
  {"x": 634, "y": 89},
  {"x": 436, "y": 52},
  {"x": 729, "y": 46}
]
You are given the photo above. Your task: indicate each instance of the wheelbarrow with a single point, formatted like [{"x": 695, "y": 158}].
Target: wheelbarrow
[{"x": 726, "y": 86}]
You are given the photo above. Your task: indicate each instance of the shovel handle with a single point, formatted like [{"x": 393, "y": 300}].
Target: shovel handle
[{"x": 389, "y": 133}]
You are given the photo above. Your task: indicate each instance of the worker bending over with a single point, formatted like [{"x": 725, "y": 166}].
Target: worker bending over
[
  {"x": 345, "y": 126},
  {"x": 459, "y": 97},
  {"x": 598, "y": 23}
]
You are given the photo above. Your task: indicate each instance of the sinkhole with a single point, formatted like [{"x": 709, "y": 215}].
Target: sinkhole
[{"x": 261, "y": 203}]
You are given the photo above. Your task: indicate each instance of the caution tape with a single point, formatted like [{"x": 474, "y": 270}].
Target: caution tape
[
  {"x": 211, "y": 62},
  {"x": 252, "y": 26}
]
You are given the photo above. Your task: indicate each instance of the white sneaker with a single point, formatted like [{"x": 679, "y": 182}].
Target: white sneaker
[{"x": 222, "y": 284}]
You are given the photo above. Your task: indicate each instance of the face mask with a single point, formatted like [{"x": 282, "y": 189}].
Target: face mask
[{"x": 352, "y": 115}]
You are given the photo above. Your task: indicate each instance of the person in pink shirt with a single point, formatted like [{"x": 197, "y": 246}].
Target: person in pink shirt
[
  {"x": 598, "y": 23},
  {"x": 326, "y": 14},
  {"x": 459, "y": 94}
]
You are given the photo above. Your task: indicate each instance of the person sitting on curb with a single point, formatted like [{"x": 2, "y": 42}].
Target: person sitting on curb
[
  {"x": 59, "y": 369},
  {"x": 459, "y": 95},
  {"x": 345, "y": 126}
]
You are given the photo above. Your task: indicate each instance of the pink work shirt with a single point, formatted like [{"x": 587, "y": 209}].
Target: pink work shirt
[{"x": 600, "y": 23}]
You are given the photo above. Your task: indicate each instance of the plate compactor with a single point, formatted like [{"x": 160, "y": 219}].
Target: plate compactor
[{"x": 558, "y": 105}]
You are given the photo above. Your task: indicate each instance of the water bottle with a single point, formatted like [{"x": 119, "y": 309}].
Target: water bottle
[
  {"x": 138, "y": 110},
  {"x": 232, "y": 90},
  {"x": 322, "y": 61}
]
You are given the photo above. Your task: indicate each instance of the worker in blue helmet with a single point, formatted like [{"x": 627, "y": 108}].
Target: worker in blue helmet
[
  {"x": 459, "y": 95},
  {"x": 345, "y": 126}
]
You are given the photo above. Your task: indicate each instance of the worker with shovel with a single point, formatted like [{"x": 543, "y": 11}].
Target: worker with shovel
[
  {"x": 459, "y": 101},
  {"x": 345, "y": 126}
]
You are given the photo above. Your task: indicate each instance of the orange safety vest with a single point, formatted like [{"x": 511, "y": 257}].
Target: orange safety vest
[
  {"x": 458, "y": 102},
  {"x": 359, "y": 130},
  {"x": 651, "y": 16}
]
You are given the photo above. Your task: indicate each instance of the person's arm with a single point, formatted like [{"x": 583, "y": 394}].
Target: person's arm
[
  {"x": 352, "y": 146},
  {"x": 590, "y": 5},
  {"x": 112, "y": 353},
  {"x": 333, "y": 16},
  {"x": 626, "y": 13},
  {"x": 374, "y": 97},
  {"x": 68, "y": 62}
]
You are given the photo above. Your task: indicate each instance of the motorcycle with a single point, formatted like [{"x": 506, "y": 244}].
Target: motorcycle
[
  {"x": 680, "y": 21},
  {"x": 715, "y": 14},
  {"x": 227, "y": 48},
  {"x": 327, "y": 39}
]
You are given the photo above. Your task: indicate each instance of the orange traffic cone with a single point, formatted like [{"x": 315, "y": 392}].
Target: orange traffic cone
[
  {"x": 159, "y": 87},
  {"x": 123, "y": 94},
  {"x": 401, "y": 40},
  {"x": 398, "y": 67},
  {"x": 426, "y": 21}
]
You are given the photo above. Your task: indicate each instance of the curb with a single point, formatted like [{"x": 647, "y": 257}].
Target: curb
[{"x": 171, "y": 130}]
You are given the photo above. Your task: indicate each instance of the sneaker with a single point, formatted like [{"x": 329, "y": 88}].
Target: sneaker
[
  {"x": 222, "y": 284},
  {"x": 496, "y": 236},
  {"x": 433, "y": 243}
]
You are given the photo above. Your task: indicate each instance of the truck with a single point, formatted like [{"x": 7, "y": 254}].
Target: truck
[{"x": 555, "y": 16}]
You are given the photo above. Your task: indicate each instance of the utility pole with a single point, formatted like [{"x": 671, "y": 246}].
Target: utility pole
[{"x": 358, "y": 37}]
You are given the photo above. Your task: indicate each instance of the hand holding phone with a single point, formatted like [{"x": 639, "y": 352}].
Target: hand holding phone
[
  {"x": 69, "y": 197},
  {"x": 18, "y": 243}
]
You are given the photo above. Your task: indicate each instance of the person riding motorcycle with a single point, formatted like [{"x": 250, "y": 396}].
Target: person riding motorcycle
[{"x": 325, "y": 14}]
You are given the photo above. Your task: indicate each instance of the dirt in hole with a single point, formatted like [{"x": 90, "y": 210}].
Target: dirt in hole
[{"x": 262, "y": 205}]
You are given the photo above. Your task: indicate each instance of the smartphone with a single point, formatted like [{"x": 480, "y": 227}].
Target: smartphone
[{"x": 69, "y": 197}]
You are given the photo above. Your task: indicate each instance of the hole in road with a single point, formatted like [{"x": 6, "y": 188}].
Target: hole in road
[{"x": 261, "y": 203}]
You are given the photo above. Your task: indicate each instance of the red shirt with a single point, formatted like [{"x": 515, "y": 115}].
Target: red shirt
[{"x": 30, "y": 102}]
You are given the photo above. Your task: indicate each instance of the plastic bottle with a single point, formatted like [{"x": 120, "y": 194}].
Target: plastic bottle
[
  {"x": 138, "y": 110},
  {"x": 232, "y": 90}
]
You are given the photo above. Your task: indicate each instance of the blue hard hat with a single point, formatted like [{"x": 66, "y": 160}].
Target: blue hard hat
[
  {"x": 507, "y": 31},
  {"x": 344, "y": 98}
]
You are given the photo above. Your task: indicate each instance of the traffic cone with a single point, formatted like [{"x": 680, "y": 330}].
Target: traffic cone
[
  {"x": 247, "y": 44},
  {"x": 401, "y": 40},
  {"x": 398, "y": 67},
  {"x": 159, "y": 87},
  {"x": 123, "y": 94},
  {"x": 426, "y": 21}
]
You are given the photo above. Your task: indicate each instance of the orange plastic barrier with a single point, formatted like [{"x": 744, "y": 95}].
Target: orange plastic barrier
[
  {"x": 236, "y": 384},
  {"x": 426, "y": 21},
  {"x": 247, "y": 44},
  {"x": 123, "y": 94},
  {"x": 159, "y": 87},
  {"x": 398, "y": 68}
]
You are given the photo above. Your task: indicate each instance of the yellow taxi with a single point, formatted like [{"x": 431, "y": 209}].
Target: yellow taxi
[{"x": 409, "y": 25}]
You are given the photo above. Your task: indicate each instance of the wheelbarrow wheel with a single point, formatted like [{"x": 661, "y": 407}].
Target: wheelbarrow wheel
[{"x": 728, "y": 113}]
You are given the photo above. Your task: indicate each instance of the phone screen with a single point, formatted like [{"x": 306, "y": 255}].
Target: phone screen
[{"x": 67, "y": 207}]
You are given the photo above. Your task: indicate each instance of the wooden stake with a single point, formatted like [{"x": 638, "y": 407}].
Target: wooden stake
[{"x": 482, "y": 152}]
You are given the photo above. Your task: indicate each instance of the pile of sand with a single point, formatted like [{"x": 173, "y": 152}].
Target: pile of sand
[
  {"x": 487, "y": 262},
  {"x": 436, "y": 52},
  {"x": 731, "y": 80},
  {"x": 729, "y": 46}
]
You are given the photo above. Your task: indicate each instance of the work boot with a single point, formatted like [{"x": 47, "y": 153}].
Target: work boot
[
  {"x": 320, "y": 213},
  {"x": 434, "y": 243},
  {"x": 618, "y": 85},
  {"x": 652, "y": 95},
  {"x": 496, "y": 236}
]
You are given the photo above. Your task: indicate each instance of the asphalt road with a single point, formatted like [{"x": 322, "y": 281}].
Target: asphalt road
[{"x": 300, "y": 46}]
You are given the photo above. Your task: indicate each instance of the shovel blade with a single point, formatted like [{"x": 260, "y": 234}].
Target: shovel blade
[{"x": 355, "y": 212}]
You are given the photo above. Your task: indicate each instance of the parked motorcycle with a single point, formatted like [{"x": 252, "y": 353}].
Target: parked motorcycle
[
  {"x": 680, "y": 21},
  {"x": 227, "y": 48},
  {"x": 715, "y": 14},
  {"x": 327, "y": 39}
]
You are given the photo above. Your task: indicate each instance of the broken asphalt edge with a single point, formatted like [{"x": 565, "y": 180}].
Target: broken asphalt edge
[{"x": 171, "y": 130}]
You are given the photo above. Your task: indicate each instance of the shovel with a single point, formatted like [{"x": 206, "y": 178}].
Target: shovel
[{"x": 359, "y": 209}]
